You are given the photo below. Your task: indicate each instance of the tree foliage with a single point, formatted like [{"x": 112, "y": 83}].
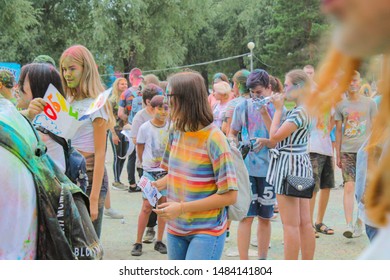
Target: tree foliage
[{"x": 160, "y": 34}]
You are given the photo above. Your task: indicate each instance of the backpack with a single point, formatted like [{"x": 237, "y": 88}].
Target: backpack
[
  {"x": 76, "y": 167},
  {"x": 239, "y": 210},
  {"x": 65, "y": 229}
]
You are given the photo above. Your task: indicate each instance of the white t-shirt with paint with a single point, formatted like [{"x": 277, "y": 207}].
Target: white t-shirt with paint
[
  {"x": 155, "y": 140},
  {"x": 83, "y": 139}
]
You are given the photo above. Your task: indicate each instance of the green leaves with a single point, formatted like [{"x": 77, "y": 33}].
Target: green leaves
[{"x": 160, "y": 34}]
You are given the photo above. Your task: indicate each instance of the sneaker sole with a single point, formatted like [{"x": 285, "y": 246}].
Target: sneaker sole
[
  {"x": 115, "y": 218},
  {"x": 163, "y": 253},
  {"x": 118, "y": 189},
  {"x": 148, "y": 241},
  {"x": 134, "y": 191},
  {"x": 348, "y": 234},
  {"x": 136, "y": 254}
]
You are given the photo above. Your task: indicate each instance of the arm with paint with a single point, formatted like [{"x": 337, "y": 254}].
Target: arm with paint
[{"x": 278, "y": 132}]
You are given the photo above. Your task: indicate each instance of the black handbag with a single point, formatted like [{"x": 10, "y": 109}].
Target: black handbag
[
  {"x": 296, "y": 186},
  {"x": 301, "y": 187}
]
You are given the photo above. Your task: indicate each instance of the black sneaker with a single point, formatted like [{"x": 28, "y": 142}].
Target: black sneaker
[
  {"x": 160, "y": 247},
  {"x": 137, "y": 250},
  {"x": 135, "y": 189}
]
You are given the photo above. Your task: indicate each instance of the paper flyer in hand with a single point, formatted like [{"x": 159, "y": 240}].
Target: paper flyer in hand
[
  {"x": 151, "y": 193},
  {"x": 60, "y": 118},
  {"x": 131, "y": 147},
  {"x": 96, "y": 104}
]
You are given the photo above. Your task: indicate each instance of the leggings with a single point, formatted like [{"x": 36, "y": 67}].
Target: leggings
[{"x": 119, "y": 151}]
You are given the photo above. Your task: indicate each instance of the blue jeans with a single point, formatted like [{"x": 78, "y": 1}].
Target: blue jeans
[
  {"x": 371, "y": 232},
  {"x": 195, "y": 247}
]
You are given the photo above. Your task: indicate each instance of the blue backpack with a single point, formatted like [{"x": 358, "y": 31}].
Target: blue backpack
[{"x": 76, "y": 167}]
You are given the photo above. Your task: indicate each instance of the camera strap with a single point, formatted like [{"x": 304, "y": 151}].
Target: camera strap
[{"x": 247, "y": 118}]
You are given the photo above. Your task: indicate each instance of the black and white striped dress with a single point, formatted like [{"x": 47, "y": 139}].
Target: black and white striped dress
[{"x": 291, "y": 151}]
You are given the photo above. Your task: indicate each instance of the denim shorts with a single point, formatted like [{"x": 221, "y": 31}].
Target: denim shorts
[
  {"x": 263, "y": 198},
  {"x": 195, "y": 247}
]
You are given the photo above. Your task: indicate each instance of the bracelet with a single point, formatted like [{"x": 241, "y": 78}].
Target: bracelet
[{"x": 182, "y": 207}]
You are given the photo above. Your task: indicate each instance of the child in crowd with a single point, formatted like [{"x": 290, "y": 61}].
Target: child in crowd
[
  {"x": 118, "y": 140},
  {"x": 196, "y": 207},
  {"x": 222, "y": 91},
  {"x": 151, "y": 141},
  {"x": 125, "y": 113},
  {"x": 248, "y": 121},
  {"x": 34, "y": 80},
  {"x": 356, "y": 113},
  {"x": 140, "y": 118},
  {"x": 81, "y": 83}
]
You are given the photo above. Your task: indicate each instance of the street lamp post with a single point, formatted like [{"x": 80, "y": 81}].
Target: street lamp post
[{"x": 251, "y": 46}]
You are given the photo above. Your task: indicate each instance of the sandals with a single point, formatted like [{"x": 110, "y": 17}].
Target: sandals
[{"x": 322, "y": 228}]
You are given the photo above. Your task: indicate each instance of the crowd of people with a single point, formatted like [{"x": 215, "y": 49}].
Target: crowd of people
[{"x": 179, "y": 134}]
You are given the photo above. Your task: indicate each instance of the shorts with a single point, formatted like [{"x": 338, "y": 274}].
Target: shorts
[
  {"x": 263, "y": 198},
  {"x": 348, "y": 166},
  {"x": 155, "y": 175},
  {"x": 323, "y": 171}
]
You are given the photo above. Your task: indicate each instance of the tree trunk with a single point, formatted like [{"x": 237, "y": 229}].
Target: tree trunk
[
  {"x": 205, "y": 75},
  {"x": 130, "y": 62},
  {"x": 241, "y": 63}
]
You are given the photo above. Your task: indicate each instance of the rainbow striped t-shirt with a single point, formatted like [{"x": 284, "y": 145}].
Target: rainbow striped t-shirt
[{"x": 199, "y": 164}]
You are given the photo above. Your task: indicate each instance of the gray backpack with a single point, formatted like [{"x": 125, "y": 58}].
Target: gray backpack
[{"x": 239, "y": 210}]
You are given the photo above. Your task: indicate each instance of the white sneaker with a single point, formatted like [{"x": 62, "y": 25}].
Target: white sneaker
[
  {"x": 112, "y": 213},
  {"x": 358, "y": 230},
  {"x": 348, "y": 233},
  {"x": 119, "y": 186},
  {"x": 254, "y": 242},
  {"x": 149, "y": 236}
]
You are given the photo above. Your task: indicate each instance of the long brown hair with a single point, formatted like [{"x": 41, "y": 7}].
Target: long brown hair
[
  {"x": 191, "y": 110},
  {"x": 377, "y": 196}
]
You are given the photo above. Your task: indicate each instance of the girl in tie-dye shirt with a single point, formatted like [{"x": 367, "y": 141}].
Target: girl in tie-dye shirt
[{"x": 201, "y": 178}]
